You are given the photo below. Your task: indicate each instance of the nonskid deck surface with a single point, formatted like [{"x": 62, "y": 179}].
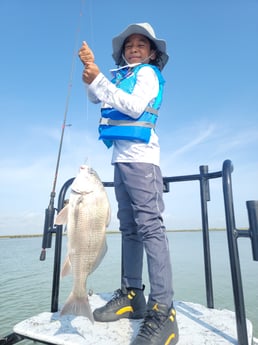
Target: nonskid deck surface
[{"x": 197, "y": 324}]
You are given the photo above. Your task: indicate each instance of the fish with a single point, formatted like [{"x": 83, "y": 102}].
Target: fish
[{"x": 86, "y": 215}]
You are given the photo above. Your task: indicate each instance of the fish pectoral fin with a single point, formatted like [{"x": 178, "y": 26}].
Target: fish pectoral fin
[
  {"x": 62, "y": 216},
  {"x": 67, "y": 267}
]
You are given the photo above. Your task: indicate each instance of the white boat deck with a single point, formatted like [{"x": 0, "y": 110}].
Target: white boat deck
[{"x": 197, "y": 325}]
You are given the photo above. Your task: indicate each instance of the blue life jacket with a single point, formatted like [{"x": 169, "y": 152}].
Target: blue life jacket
[{"x": 115, "y": 125}]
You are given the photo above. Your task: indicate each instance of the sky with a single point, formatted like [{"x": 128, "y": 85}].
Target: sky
[{"x": 209, "y": 112}]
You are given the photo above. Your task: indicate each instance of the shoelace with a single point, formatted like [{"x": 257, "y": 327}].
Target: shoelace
[
  {"x": 151, "y": 323},
  {"x": 116, "y": 296}
]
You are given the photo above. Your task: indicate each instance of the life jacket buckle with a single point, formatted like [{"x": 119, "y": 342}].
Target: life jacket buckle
[{"x": 104, "y": 121}]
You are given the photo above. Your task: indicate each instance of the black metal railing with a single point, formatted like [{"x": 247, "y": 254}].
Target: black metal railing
[{"x": 232, "y": 235}]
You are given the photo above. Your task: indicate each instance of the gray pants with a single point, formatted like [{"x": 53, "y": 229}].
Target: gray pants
[{"x": 139, "y": 189}]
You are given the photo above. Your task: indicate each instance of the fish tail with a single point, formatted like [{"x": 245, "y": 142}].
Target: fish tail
[{"x": 75, "y": 305}]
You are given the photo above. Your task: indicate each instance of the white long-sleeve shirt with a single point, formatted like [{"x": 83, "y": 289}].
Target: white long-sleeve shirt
[{"x": 146, "y": 89}]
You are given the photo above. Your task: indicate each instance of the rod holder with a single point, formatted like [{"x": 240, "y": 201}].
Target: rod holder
[
  {"x": 47, "y": 232},
  {"x": 252, "y": 209}
]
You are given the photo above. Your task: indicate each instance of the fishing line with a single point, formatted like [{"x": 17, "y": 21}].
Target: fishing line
[
  {"x": 70, "y": 84},
  {"x": 86, "y": 103},
  {"x": 50, "y": 211}
]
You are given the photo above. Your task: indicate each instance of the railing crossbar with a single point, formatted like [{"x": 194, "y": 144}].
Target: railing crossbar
[{"x": 232, "y": 234}]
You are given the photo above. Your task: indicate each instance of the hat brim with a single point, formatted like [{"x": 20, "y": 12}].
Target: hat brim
[{"x": 118, "y": 41}]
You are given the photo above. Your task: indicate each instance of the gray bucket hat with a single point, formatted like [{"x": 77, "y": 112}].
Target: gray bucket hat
[{"x": 143, "y": 29}]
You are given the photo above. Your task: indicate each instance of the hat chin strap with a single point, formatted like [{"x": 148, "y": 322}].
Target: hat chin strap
[{"x": 144, "y": 60}]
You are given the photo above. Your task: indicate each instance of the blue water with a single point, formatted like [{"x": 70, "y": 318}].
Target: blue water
[{"x": 26, "y": 282}]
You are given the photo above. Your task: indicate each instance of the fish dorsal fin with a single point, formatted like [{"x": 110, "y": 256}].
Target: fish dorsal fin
[
  {"x": 67, "y": 267},
  {"x": 100, "y": 256}
]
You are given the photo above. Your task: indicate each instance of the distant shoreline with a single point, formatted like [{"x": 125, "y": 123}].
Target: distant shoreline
[{"x": 110, "y": 232}]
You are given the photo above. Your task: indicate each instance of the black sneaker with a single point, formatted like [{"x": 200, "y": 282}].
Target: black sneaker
[
  {"x": 126, "y": 303},
  {"x": 159, "y": 326}
]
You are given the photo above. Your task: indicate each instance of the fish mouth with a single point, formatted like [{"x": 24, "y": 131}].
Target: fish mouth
[
  {"x": 81, "y": 192},
  {"x": 88, "y": 169}
]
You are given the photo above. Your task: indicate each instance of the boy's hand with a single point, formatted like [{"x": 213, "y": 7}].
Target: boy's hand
[
  {"x": 85, "y": 54},
  {"x": 90, "y": 72}
]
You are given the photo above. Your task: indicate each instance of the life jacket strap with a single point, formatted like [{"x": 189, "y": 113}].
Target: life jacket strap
[
  {"x": 109, "y": 122},
  {"x": 152, "y": 110}
]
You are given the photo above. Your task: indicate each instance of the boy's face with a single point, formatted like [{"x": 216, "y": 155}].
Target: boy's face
[{"x": 137, "y": 49}]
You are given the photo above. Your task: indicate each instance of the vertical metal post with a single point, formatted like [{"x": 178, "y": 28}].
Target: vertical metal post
[
  {"x": 56, "y": 270},
  {"x": 58, "y": 251},
  {"x": 234, "y": 255},
  {"x": 205, "y": 196}
]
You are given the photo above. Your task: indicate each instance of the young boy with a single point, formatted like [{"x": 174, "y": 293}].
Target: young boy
[{"x": 129, "y": 110}]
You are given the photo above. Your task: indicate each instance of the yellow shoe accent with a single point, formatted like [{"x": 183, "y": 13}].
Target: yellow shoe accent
[
  {"x": 172, "y": 319},
  {"x": 172, "y": 316},
  {"x": 172, "y": 336},
  {"x": 155, "y": 307},
  {"x": 124, "y": 310},
  {"x": 173, "y": 312},
  {"x": 131, "y": 295}
]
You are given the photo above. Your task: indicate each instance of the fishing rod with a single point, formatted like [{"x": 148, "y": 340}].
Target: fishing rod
[{"x": 49, "y": 227}]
